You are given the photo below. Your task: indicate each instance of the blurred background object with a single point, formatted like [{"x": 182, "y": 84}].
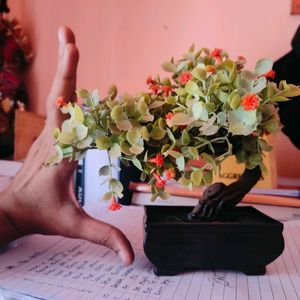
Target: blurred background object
[{"x": 15, "y": 54}]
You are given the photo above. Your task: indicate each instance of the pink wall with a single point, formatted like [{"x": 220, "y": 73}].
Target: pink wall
[{"x": 123, "y": 41}]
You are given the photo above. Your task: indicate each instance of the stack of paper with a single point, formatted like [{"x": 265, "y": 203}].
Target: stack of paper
[{"x": 61, "y": 268}]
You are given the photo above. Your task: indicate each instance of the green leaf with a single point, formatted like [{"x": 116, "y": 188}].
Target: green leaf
[
  {"x": 263, "y": 66},
  {"x": 112, "y": 92},
  {"x": 82, "y": 93},
  {"x": 280, "y": 99},
  {"x": 242, "y": 122},
  {"x": 180, "y": 163},
  {"x": 192, "y": 48},
  {"x": 271, "y": 126},
  {"x": 184, "y": 181},
  {"x": 78, "y": 114},
  {"x": 181, "y": 119},
  {"x": 66, "y": 138},
  {"x": 56, "y": 158},
  {"x": 94, "y": 98},
  {"x": 124, "y": 125},
  {"x": 293, "y": 91},
  {"x": 103, "y": 142},
  {"x": 180, "y": 66},
  {"x": 209, "y": 159},
  {"x": 156, "y": 104},
  {"x": 125, "y": 148},
  {"x": 199, "y": 111},
  {"x": 194, "y": 152},
  {"x": 164, "y": 195},
  {"x": 235, "y": 101},
  {"x": 171, "y": 100},
  {"x": 133, "y": 136},
  {"x": 154, "y": 197},
  {"x": 210, "y": 107},
  {"x": 192, "y": 88},
  {"x": 188, "y": 55},
  {"x": 115, "y": 185},
  {"x": 196, "y": 177},
  {"x": 145, "y": 134},
  {"x": 137, "y": 163},
  {"x": 117, "y": 113},
  {"x": 85, "y": 143},
  {"x": 174, "y": 154},
  {"x": 171, "y": 136},
  {"x": 81, "y": 131},
  {"x": 168, "y": 67},
  {"x": 56, "y": 132},
  {"x": 107, "y": 196},
  {"x": 241, "y": 156},
  {"x": 181, "y": 92},
  {"x": 264, "y": 145},
  {"x": 142, "y": 107},
  {"x": 104, "y": 171},
  {"x": 185, "y": 138},
  {"x": 207, "y": 177},
  {"x": 157, "y": 133},
  {"x": 143, "y": 176},
  {"x": 199, "y": 74},
  {"x": 259, "y": 85},
  {"x": 135, "y": 149}
]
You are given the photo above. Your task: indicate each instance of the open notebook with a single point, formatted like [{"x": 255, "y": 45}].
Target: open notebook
[{"x": 40, "y": 267}]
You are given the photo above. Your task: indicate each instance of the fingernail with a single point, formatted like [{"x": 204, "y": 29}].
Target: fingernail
[
  {"x": 60, "y": 37},
  {"x": 123, "y": 257}
]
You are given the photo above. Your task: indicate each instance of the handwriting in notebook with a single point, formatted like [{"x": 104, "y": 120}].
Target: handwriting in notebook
[{"x": 61, "y": 268}]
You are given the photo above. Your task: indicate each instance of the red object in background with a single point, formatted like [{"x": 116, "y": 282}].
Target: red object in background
[{"x": 15, "y": 54}]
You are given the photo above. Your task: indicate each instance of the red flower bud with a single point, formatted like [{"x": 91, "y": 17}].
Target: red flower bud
[
  {"x": 60, "y": 102},
  {"x": 114, "y": 205},
  {"x": 160, "y": 183},
  {"x": 158, "y": 160},
  {"x": 185, "y": 77}
]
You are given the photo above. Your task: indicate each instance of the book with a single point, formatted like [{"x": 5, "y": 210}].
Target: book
[
  {"x": 295, "y": 193},
  {"x": 181, "y": 195},
  {"x": 79, "y": 182}
]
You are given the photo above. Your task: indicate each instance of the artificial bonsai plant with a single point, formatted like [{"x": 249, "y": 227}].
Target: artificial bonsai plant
[{"x": 209, "y": 109}]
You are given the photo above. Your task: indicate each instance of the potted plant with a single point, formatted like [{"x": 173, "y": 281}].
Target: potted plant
[{"x": 209, "y": 109}]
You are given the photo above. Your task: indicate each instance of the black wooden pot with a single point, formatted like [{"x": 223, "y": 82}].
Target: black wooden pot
[{"x": 243, "y": 239}]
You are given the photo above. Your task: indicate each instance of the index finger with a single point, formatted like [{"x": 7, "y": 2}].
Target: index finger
[{"x": 64, "y": 82}]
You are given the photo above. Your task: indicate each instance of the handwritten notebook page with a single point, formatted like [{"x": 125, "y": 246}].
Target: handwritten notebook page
[{"x": 40, "y": 267}]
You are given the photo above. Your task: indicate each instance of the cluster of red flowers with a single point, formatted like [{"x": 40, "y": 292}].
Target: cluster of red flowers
[
  {"x": 250, "y": 102},
  {"x": 170, "y": 173},
  {"x": 156, "y": 87}
]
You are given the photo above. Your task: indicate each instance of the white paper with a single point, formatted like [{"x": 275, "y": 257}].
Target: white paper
[{"x": 40, "y": 267}]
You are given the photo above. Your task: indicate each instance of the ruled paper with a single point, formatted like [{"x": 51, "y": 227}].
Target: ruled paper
[{"x": 40, "y": 267}]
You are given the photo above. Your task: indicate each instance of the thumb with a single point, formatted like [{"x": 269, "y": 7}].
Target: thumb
[{"x": 104, "y": 234}]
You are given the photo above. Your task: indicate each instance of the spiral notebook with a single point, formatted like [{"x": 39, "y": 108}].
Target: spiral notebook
[{"x": 40, "y": 267}]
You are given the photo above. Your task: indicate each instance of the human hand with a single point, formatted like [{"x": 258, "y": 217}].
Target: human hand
[{"x": 41, "y": 199}]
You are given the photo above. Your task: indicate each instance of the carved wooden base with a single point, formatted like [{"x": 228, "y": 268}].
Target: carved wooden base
[{"x": 244, "y": 239}]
